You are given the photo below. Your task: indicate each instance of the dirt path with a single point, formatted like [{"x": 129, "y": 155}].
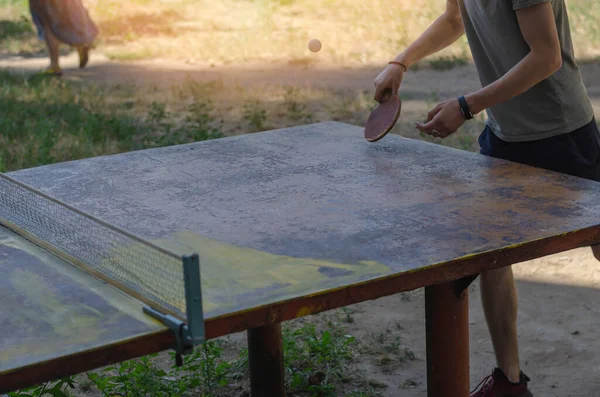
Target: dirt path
[
  {"x": 559, "y": 315},
  {"x": 419, "y": 84}
]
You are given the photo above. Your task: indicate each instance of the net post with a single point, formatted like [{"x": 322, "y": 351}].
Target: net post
[
  {"x": 193, "y": 300},
  {"x": 190, "y": 334}
]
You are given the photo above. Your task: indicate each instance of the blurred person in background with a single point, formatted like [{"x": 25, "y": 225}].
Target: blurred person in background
[{"x": 63, "y": 21}]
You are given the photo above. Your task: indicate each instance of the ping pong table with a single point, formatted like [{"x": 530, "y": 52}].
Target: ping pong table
[{"x": 283, "y": 224}]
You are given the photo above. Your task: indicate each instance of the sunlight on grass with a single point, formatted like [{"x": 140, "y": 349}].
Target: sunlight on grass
[
  {"x": 353, "y": 32},
  {"x": 129, "y": 54}
]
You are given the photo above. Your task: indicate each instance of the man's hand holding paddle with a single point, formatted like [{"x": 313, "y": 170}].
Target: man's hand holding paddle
[
  {"x": 388, "y": 82},
  {"x": 445, "y": 118},
  {"x": 383, "y": 118}
]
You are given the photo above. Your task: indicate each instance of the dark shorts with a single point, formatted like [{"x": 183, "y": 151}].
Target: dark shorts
[{"x": 576, "y": 153}]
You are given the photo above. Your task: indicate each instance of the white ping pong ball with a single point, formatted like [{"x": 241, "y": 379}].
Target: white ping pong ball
[{"x": 314, "y": 45}]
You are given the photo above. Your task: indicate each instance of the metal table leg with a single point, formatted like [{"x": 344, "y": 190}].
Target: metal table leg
[
  {"x": 447, "y": 333},
  {"x": 265, "y": 354}
]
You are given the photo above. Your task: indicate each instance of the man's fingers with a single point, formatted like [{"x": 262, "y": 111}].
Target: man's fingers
[
  {"x": 443, "y": 134},
  {"x": 395, "y": 87},
  {"x": 380, "y": 93},
  {"x": 385, "y": 89},
  {"x": 430, "y": 124},
  {"x": 439, "y": 124},
  {"x": 387, "y": 93},
  {"x": 426, "y": 128},
  {"x": 434, "y": 128},
  {"x": 433, "y": 112}
]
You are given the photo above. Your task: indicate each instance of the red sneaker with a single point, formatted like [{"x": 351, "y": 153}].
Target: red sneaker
[{"x": 498, "y": 385}]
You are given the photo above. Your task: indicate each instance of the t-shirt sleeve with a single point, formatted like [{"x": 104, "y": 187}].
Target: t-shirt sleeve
[{"x": 518, "y": 4}]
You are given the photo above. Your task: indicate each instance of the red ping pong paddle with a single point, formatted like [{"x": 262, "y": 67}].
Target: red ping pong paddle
[{"x": 383, "y": 118}]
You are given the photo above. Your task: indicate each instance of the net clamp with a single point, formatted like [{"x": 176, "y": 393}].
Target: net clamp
[{"x": 188, "y": 334}]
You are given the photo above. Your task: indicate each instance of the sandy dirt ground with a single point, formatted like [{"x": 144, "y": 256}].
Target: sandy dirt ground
[{"x": 559, "y": 318}]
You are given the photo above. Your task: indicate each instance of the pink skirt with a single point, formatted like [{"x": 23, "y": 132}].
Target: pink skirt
[{"x": 67, "y": 19}]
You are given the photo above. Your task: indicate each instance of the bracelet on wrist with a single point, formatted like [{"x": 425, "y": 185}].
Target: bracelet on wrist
[{"x": 398, "y": 63}]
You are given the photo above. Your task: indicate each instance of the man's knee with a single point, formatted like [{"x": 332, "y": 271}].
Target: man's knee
[
  {"x": 494, "y": 281},
  {"x": 499, "y": 274}
]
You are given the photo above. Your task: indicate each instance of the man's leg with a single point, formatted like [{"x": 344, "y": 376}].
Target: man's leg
[
  {"x": 596, "y": 251},
  {"x": 499, "y": 298}
]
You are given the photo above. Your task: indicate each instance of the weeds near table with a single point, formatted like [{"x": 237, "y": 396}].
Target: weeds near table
[
  {"x": 255, "y": 115},
  {"x": 318, "y": 363}
]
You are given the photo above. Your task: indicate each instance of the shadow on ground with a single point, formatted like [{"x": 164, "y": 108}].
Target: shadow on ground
[
  {"x": 559, "y": 326},
  {"x": 424, "y": 83}
]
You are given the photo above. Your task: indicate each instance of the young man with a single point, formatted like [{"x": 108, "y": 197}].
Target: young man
[{"x": 538, "y": 114}]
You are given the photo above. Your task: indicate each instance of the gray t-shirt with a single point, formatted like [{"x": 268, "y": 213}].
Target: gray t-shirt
[{"x": 557, "y": 105}]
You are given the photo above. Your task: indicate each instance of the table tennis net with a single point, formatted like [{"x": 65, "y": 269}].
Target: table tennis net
[{"x": 139, "y": 268}]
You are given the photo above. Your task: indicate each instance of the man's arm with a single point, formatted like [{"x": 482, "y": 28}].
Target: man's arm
[
  {"x": 538, "y": 27},
  {"x": 445, "y": 30}
]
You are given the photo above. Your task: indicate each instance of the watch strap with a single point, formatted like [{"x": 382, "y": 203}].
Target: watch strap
[{"x": 464, "y": 108}]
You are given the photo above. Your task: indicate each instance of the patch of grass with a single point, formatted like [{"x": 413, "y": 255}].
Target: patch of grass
[
  {"x": 197, "y": 125},
  {"x": 47, "y": 120},
  {"x": 350, "y": 106},
  {"x": 18, "y": 36},
  {"x": 318, "y": 362},
  {"x": 409, "y": 383},
  {"x": 27, "y": 47},
  {"x": 192, "y": 89},
  {"x": 200, "y": 119},
  {"x": 368, "y": 393},
  {"x": 387, "y": 349},
  {"x": 348, "y": 315},
  {"x": 447, "y": 62},
  {"x": 15, "y": 28},
  {"x": 584, "y": 16},
  {"x": 136, "y": 22},
  {"x": 296, "y": 110},
  {"x": 125, "y": 55},
  {"x": 255, "y": 115},
  {"x": 375, "y": 384},
  {"x": 318, "y": 359},
  {"x": 59, "y": 388},
  {"x": 282, "y": 2},
  {"x": 13, "y": 8},
  {"x": 203, "y": 372}
]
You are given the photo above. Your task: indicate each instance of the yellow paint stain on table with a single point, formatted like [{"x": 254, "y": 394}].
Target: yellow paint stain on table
[
  {"x": 70, "y": 323},
  {"x": 51, "y": 319},
  {"x": 230, "y": 273}
]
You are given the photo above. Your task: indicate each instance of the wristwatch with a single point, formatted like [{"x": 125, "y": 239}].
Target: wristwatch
[{"x": 464, "y": 108}]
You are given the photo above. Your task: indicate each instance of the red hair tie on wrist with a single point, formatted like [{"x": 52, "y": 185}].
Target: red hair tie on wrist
[{"x": 398, "y": 63}]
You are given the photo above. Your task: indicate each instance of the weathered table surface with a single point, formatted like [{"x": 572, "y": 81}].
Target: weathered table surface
[{"x": 288, "y": 223}]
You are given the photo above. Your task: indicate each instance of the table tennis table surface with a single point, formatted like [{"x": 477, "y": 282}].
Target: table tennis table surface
[{"x": 281, "y": 219}]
